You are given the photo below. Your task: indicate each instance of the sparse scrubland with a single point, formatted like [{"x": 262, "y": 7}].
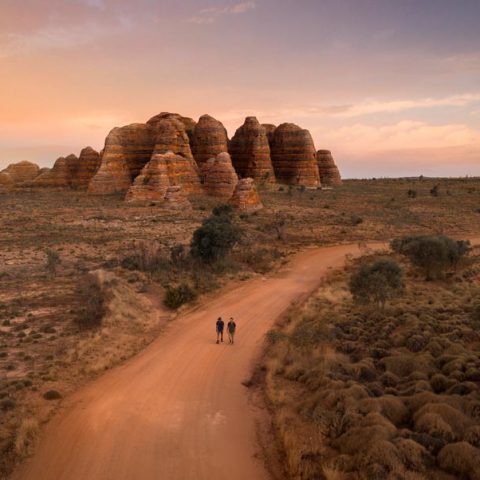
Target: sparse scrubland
[
  {"x": 373, "y": 387},
  {"x": 89, "y": 281}
]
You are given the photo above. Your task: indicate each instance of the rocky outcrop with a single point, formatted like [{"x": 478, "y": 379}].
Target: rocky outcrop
[
  {"x": 85, "y": 168},
  {"x": 175, "y": 199},
  {"x": 220, "y": 178},
  {"x": 152, "y": 183},
  {"x": 23, "y": 171},
  {"x": 269, "y": 130},
  {"x": 188, "y": 123},
  {"x": 183, "y": 172},
  {"x": 59, "y": 176},
  {"x": 171, "y": 136},
  {"x": 245, "y": 197},
  {"x": 250, "y": 151},
  {"x": 294, "y": 156},
  {"x": 329, "y": 173},
  {"x": 127, "y": 150},
  {"x": 209, "y": 139},
  {"x": 6, "y": 181},
  {"x": 43, "y": 170}
]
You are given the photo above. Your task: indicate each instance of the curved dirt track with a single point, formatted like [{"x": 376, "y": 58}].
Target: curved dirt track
[{"x": 178, "y": 411}]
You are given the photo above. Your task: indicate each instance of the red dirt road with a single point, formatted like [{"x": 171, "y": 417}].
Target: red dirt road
[{"x": 178, "y": 411}]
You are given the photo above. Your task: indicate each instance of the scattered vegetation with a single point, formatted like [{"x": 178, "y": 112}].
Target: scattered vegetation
[{"x": 365, "y": 393}]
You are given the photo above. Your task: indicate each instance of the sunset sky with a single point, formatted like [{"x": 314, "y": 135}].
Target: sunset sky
[{"x": 392, "y": 87}]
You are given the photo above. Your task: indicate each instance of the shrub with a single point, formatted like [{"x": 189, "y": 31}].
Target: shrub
[
  {"x": 53, "y": 261},
  {"x": 376, "y": 282},
  {"x": 432, "y": 254},
  {"x": 215, "y": 238},
  {"x": 356, "y": 220},
  {"x": 412, "y": 193},
  {"x": 177, "y": 296},
  {"x": 92, "y": 301},
  {"x": 52, "y": 395},
  {"x": 435, "y": 191}
]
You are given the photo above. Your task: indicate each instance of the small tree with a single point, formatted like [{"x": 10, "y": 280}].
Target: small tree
[
  {"x": 376, "y": 282},
  {"x": 432, "y": 254},
  {"x": 53, "y": 261},
  {"x": 215, "y": 238}
]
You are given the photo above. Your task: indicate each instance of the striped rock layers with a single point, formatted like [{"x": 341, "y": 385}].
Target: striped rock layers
[
  {"x": 85, "y": 168},
  {"x": 127, "y": 150},
  {"x": 152, "y": 183},
  {"x": 59, "y": 176},
  {"x": 23, "y": 171},
  {"x": 220, "y": 178},
  {"x": 329, "y": 173},
  {"x": 250, "y": 151},
  {"x": 269, "y": 130},
  {"x": 183, "y": 172},
  {"x": 188, "y": 123},
  {"x": 294, "y": 156},
  {"x": 209, "y": 139},
  {"x": 245, "y": 197},
  {"x": 171, "y": 136}
]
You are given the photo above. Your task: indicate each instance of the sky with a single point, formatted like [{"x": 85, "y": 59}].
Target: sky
[{"x": 392, "y": 87}]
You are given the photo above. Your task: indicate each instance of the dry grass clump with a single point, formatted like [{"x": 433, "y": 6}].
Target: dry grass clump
[
  {"x": 461, "y": 459},
  {"x": 392, "y": 394},
  {"x": 26, "y": 436}
]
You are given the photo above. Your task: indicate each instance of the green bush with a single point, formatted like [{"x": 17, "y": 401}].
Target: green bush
[
  {"x": 177, "y": 296},
  {"x": 376, "y": 282},
  {"x": 432, "y": 254},
  {"x": 216, "y": 237}
]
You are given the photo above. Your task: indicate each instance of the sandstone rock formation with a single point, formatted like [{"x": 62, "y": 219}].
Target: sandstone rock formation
[
  {"x": 329, "y": 173},
  {"x": 152, "y": 183},
  {"x": 127, "y": 150},
  {"x": 220, "y": 178},
  {"x": 175, "y": 199},
  {"x": 182, "y": 171},
  {"x": 6, "y": 181},
  {"x": 59, "y": 176},
  {"x": 85, "y": 168},
  {"x": 245, "y": 196},
  {"x": 209, "y": 139},
  {"x": 23, "y": 171},
  {"x": 270, "y": 130},
  {"x": 188, "y": 123},
  {"x": 294, "y": 156},
  {"x": 250, "y": 151},
  {"x": 171, "y": 135}
]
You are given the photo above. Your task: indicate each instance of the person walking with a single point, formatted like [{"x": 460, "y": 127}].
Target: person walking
[
  {"x": 231, "y": 327},
  {"x": 219, "y": 327}
]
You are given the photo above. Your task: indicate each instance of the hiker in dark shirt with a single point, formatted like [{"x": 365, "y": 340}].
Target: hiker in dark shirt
[
  {"x": 220, "y": 326},
  {"x": 231, "y": 327}
]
